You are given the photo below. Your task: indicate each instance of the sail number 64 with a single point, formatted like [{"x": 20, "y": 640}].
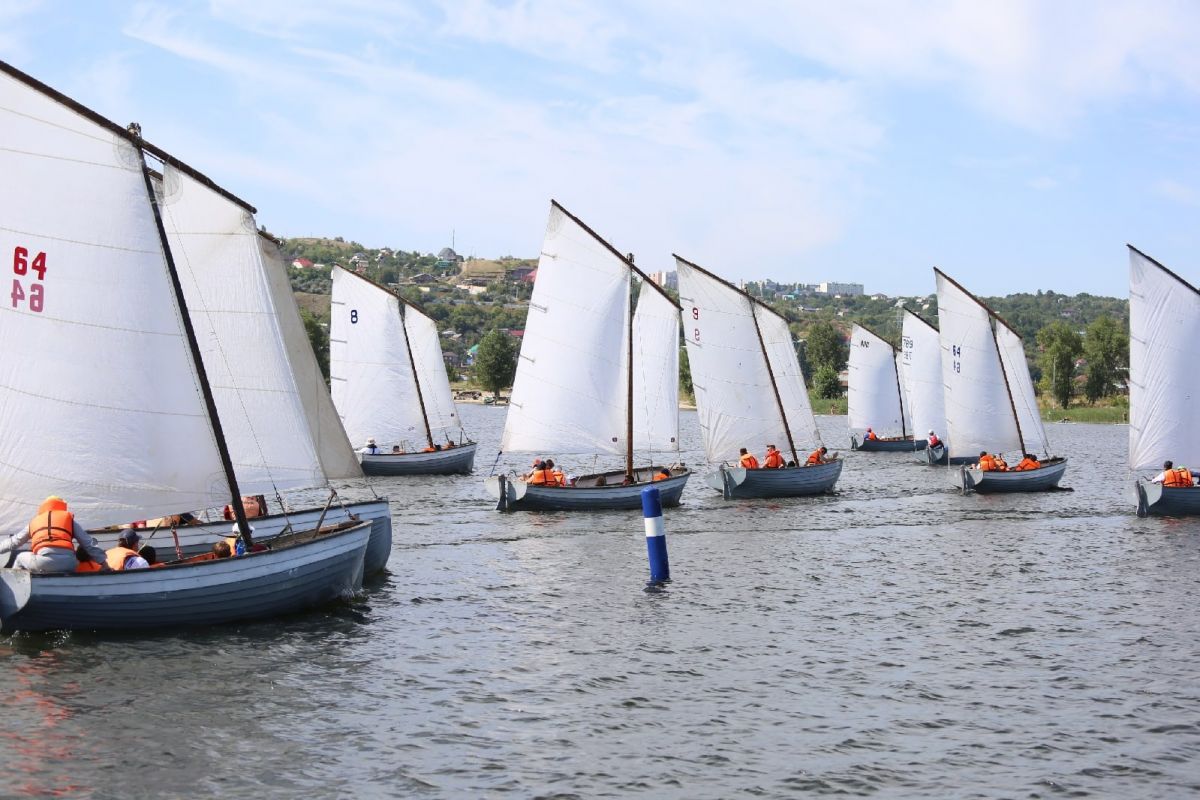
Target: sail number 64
[{"x": 22, "y": 266}]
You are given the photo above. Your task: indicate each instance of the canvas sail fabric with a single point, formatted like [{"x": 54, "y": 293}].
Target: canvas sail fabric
[
  {"x": 905, "y": 400},
  {"x": 655, "y": 372},
  {"x": 1164, "y": 379},
  {"x": 979, "y": 415},
  {"x": 221, "y": 269},
  {"x": 921, "y": 369},
  {"x": 874, "y": 399},
  {"x": 1020, "y": 386},
  {"x": 570, "y": 390},
  {"x": 371, "y": 377},
  {"x": 735, "y": 399},
  {"x": 430, "y": 366},
  {"x": 100, "y": 401},
  {"x": 337, "y": 457}
]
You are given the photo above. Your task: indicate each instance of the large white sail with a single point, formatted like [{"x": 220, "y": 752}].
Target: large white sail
[
  {"x": 655, "y": 372},
  {"x": 100, "y": 401},
  {"x": 875, "y": 397},
  {"x": 338, "y": 460},
  {"x": 570, "y": 390},
  {"x": 921, "y": 369},
  {"x": 1020, "y": 387},
  {"x": 1164, "y": 382},
  {"x": 905, "y": 401},
  {"x": 220, "y": 266},
  {"x": 430, "y": 365},
  {"x": 979, "y": 413},
  {"x": 735, "y": 397},
  {"x": 371, "y": 377}
]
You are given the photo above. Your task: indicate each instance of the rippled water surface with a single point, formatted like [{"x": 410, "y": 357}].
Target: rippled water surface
[{"x": 896, "y": 639}]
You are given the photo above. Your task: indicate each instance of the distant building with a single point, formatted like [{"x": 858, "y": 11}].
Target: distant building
[
  {"x": 302, "y": 263},
  {"x": 665, "y": 280},
  {"x": 844, "y": 289},
  {"x": 359, "y": 260}
]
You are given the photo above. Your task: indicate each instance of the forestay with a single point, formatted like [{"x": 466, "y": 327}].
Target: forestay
[
  {"x": 979, "y": 414},
  {"x": 100, "y": 401},
  {"x": 1164, "y": 380},
  {"x": 921, "y": 370},
  {"x": 221, "y": 269},
  {"x": 570, "y": 391},
  {"x": 430, "y": 366},
  {"x": 655, "y": 372},
  {"x": 1020, "y": 387},
  {"x": 874, "y": 386}
]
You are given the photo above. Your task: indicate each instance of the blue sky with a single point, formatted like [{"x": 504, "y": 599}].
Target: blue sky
[{"x": 1017, "y": 145}]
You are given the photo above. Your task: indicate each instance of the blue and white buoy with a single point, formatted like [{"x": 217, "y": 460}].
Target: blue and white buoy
[{"x": 656, "y": 536}]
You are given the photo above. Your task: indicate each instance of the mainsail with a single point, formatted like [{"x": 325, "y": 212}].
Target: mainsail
[
  {"x": 1164, "y": 382},
  {"x": 656, "y": 371},
  {"x": 101, "y": 401},
  {"x": 876, "y": 397},
  {"x": 921, "y": 371},
  {"x": 747, "y": 379}
]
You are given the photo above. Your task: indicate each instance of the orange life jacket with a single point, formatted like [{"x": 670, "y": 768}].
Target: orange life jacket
[
  {"x": 749, "y": 462},
  {"x": 52, "y": 527},
  {"x": 658, "y": 476},
  {"x": 117, "y": 556},
  {"x": 814, "y": 457},
  {"x": 1001, "y": 464},
  {"x": 988, "y": 463},
  {"x": 1028, "y": 463},
  {"x": 773, "y": 460},
  {"x": 1180, "y": 476},
  {"x": 559, "y": 478},
  {"x": 87, "y": 566},
  {"x": 428, "y": 449},
  {"x": 543, "y": 477},
  {"x": 871, "y": 436}
]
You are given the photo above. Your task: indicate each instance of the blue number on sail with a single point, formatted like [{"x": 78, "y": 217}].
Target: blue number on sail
[{"x": 354, "y": 316}]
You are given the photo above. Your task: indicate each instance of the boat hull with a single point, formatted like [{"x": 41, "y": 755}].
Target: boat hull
[
  {"x": 936, "y": 456},
  {"x": 197, "y": 539},
  {"x": 294, "y": 577},
  {"x": 738, "y": 483},
  {"x": 1042, "y": 479},
  {"x": 886, "y": 445},
  {"x": 455, "y": 461},
  {"x": 1154, "y": 499},
  {"x": 511, "y": 495}
]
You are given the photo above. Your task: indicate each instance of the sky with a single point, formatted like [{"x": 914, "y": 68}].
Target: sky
[{"x": 1017, "y": 145}]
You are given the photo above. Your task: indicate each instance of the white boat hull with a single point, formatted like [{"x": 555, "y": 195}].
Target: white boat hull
[
  {"x": 1043, "y": 479},
  {"x": 739, "y": 483},
  {"x": 294, "y": 577},
  {"x": 455, "y": 461},
  {"x": 514, "y": 495}
]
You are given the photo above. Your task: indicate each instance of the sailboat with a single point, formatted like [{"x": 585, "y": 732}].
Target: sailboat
[
  {"x": 876, "y": 396},
  {"x": 921, "y": 373},
  {"x": 1164, "y": 323},
  {"x": 594, "y": 377},
  {"x": 389, "y": 382},
  {"x": 749, "y": 389},
  {"x": 990, "y": 403},
  {"x": 105, "y": 399}
]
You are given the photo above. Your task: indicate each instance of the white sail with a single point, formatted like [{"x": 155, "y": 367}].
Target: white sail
[
  {"x": 921, "y": 368},
  {"x": 979, "y": 414},
  {"x": 569, "y": 394},
  {"x": 655, "y": 372},
  {"x": 905, "y": 401},
  {"x": 220, "y": 266},
  {"x": 100, "y": 401},
  {"x": 1164, "y": 381},
  {"x": 1020, "y": 386},
  {"x": 875, "y": 399},
  {"x": 735, "y": 398},
  {"x": 338, "y": 460},
  {"x": 430, "y": 365},
  {"x": 371, "y": 377}
]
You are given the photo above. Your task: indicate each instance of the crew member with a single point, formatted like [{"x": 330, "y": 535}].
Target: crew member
[
  {"x": 932, "y": 440},
  {"x": 369, "y": 449},
  {"x": 990, "y": 463},
  {"x": 746, "y": 460},
  {"x": 773, "y": 459},
  {"x": 1173, "y": 476},
  {"x": 1028, "y": 462},
  {"x": 125, "y": 555},
  {"x": 817, "y": 456},
  {"x": 870, "y": 437},
  {"x": 662, "y": 474},
  {"x": 52, "y": 534}
]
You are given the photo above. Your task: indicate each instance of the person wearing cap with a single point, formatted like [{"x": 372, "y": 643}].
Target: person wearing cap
[
  {"x": 369, "y": 449},
  {"x": 52, "y": 534},
  {"x": 871, "y": 436},
  {"x": 125, "y": 555},
  {"x": 932, "y": 440}
]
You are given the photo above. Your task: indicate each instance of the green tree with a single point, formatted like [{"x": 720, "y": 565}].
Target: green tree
[
  {"x": 825, "y": 382},
  {"x": 685, "y": 374},
  {"x": 496, "y": 361},
  {"x": 825, "y": 347},
  {"x": 1106, "y": 348},
  {"x": 318, "y": 337},
  {"x": 1060, "y": 346}
]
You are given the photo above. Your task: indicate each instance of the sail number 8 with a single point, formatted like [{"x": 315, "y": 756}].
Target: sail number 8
[
  {"x": 354, "y": 316},
  {"x": 22, "y": 266}
]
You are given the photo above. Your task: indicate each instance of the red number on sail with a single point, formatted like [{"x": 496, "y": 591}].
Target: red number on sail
[
  {"x": 20, "y": 264},
  {"x": 35, "y": 298},
  {"x": 18, "y": 294},
  {"x": 39, "y": 266}
]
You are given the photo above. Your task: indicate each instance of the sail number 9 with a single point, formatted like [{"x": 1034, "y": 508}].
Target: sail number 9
[
  {"x": 22, "y": 266},
  {"x": 696, "y": 331}
]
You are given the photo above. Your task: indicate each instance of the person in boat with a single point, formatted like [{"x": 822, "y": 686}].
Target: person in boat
[
  {"x": 870, "y": 436},
  {"x": 396, "y": 451},
  {"x": 448, "y": 446},
  {"x": 773, "y": 459},
  {"x": 990, "y": 463},
  {"x": 221, "y": 550},
  {"x": 253, "y": 506},
  {"x": 663, "y": 474},
  {"x": 369, "y": 449},
  {"x": 53, "y": 535},
  {"x": 817, "y": 457},
  {"x": 560, "y": 479},
  {"x": 746, "y": 460},
  {"x": 628, "y": 481},
  {"x": 151, "y": 555},
  {"x": 125, "y": 555},
  {"x": 543, "y": 475},
  {"x": 1028, "y": 462},
  {"x": 1173, "y": 476},
  {"x": 537, "y": 464},
  {"x": 86, "y": 564},
  {"x": 932, "y": 440}
]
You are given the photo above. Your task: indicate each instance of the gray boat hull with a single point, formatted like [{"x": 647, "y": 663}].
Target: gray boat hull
[
  {"x": 1042, "y": 479},
  {"x": 291, "y": 578},
  {"x": 736, "y": 483},
  {"x": 886, "y": 445},
  {"x": 936, "y": 456},
  {"x": 515, "y": 495},
  {"x": 1154, "y": 499},
  {"x": 455, "y": 461},
  {"x": 197, "y": 539}
]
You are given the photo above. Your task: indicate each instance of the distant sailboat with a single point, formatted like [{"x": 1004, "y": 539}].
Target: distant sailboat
[
  {"x": 1164, "y": 383},
  {"x": 990, "y": 403},
  {"x": 593, "y": 377},
  {"x": 921, "y": 372},
  {"x": 749, "y": 389},
  {"x": 389, "y": 382},
  {"x": 876, "y": 398}
]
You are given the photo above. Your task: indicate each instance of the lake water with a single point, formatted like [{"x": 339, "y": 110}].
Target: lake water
[{"x": 895, "y": 640}]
